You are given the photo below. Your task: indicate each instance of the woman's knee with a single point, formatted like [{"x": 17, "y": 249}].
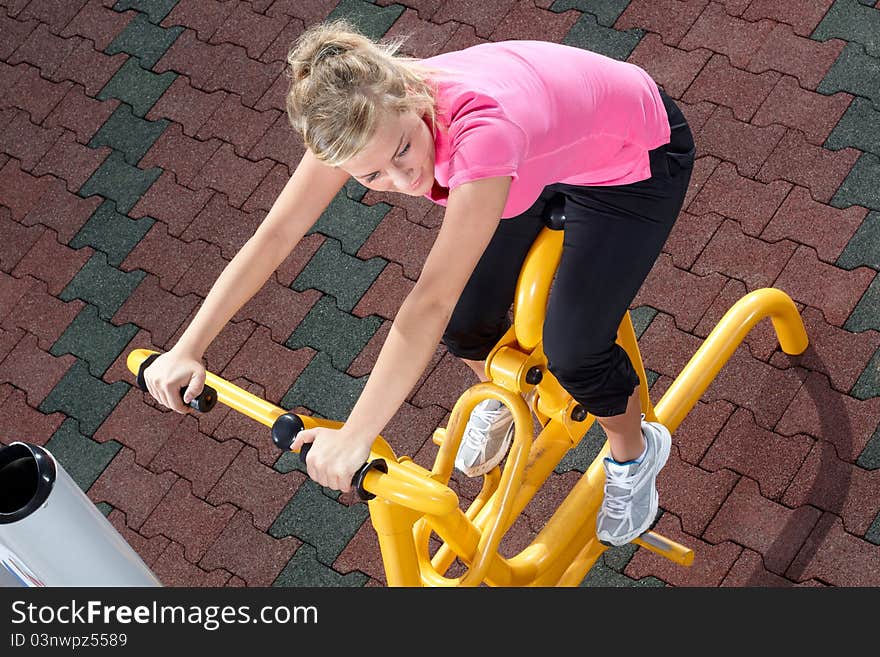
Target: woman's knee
[
  {"x": 473, "y": 340},
  {"x": 601, "y": 381}
]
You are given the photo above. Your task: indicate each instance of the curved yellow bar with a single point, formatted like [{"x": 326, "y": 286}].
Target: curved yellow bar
[
  {"x": 533, "y": 287},
  {"x": 720, "y": 344},
  {"x": 401, "y": 485}
]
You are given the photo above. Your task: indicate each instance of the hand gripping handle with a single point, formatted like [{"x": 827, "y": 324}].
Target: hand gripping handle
[
  {"x": 284, "y": 432},
  {"x": 203, "y": 403}
]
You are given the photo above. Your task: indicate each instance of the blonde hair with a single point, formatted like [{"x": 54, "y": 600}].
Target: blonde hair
[{"x": 342, "y": 84}]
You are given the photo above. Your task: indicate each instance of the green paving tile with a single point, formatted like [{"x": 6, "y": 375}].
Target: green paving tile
[
  {"x": 116, "y": 179},
  {"x": 155, "y": 9},
  {"x": 601, "y": 575},
  {"x": 873, "y": 533},
  {"x": 350, "y": 222},
  {"x": 582, "y": 455},
  {"x": 868, "y": 384},
  {"x": 319, "y": 520},
  {"x": 855, "y": 72},
  {"x": 137, "y": 86},
  {"x": 81, "y": 457},
  {"x": 870, "y": 456},
  {"x": 354, "y": 190},
  {"x": 83, "y": 397},
  {"x": 864, "y": 247},
  {"x": 304, "y": 569},
  {"x": 97, "y": 342},
  {"x": 370, "y": 19},
  {"x": 651, "y": 377},
  {"x": 851, "y": 20},
  {"x": 606, "y": 11},
  {"x": 324, "y": 389},
  {"x": 866, "y": 314},
  {"x": 130, "y": 135},
  {"x": 112, "y": 233},
  {"x": 339, "y": 334},
  {"x": 338, "y": 274},
  {"x": 589, "y": 35},
  {"x": 104, "y": 508},
  {"x": 102, "y": 285},
  {"x": 858, "y": 128},
  {"x": 642, "y": 318},
  {"x": 860, "y": 185},
  {"x": 144, "y": 40}
]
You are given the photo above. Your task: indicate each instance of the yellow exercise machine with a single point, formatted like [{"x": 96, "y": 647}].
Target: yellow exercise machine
[{"x": 409, "y": 504}]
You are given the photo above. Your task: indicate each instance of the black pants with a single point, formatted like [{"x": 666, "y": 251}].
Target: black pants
[{"x": 613, "y": 236}]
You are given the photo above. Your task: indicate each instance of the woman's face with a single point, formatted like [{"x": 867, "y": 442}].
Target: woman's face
[{"x": 399, "y": 157}]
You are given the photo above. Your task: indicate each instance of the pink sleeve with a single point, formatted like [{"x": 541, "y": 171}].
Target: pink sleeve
[{"x": 484, "y": 144}]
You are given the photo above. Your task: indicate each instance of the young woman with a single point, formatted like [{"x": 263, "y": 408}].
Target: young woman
[{"x": 499, "y": 134}]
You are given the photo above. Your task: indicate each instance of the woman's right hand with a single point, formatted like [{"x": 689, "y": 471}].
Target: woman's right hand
[{"x": 169, "y": 373}]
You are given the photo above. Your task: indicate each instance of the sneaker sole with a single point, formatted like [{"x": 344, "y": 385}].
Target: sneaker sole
[
  {"x": 655, "y": 502},
  {"x": 489, "y": 465}
]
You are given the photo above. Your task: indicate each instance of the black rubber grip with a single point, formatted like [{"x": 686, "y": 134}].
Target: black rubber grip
[
  {"x": 358, "y": 479},
  {"x": 203, "y": 403}
]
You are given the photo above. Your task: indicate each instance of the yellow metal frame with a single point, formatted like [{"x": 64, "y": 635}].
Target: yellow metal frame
[{"x": 413, "y": 504}]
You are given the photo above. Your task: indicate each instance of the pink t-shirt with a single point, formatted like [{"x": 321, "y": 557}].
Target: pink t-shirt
[{"x": 542, "y": 113}]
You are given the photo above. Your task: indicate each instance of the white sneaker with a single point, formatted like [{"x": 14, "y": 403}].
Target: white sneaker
[
  {"x": 631, "y": 502},
  {"x": 486, "y": 438}
]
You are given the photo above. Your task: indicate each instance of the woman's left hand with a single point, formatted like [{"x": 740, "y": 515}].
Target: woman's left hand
[{"x": 335, "y": 456}]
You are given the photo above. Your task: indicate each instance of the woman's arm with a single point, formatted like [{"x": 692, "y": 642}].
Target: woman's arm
[
  {"x": 471, "y": 217},
  {"x": 299, "y": 205}
]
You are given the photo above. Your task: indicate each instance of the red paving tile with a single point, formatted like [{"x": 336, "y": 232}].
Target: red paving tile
[{"x": 763, "y": 481}]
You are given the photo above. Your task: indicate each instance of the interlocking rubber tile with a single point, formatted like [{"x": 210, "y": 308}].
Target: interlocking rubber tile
[
  {"x": 860, "y": 186},
  {"x": 747, "y": 146},
  {"x": 70, "y": 161},
  {"x": 94, "y": 340},
  {"x": 90, "y": 68},
  {"x": 128, "y": 134},
  {"x": 182, "y": 155},
  {"x": 672, "y": 68},
  {"x": 338, "y": 274},
  {"x": 770, "y": 459},
  {"x": 349, "y": 222},
  {"x": 235, "y": 177},
  {"x": 21, "y": 422},
  {"x": 279, "y": 308},
  {"x": 820, "y": 411},
  {"x": 386, "y": 294},
  {"x": 186, "y": 105},
  {"x": 138, "y": 426},
  {"x": 776, "y": 532},
  {"x": 263, "y": 197},
  {"x": 827, "y": 229},
  {"x": 83, "y": 397},
  {"x": 16, "y": 240},
  {"x": 834, "y": 556},
  {"x": 374, "y": 21},
  {"x": 833, "y": 485},
  {"x": 238, "y": 125},
  {"x": 239, "y": 74},
  {"x": 857, "y": 128},
  {"x": 856, "y": 72},
  {"x": 851, "y": 20},
  {"x": 328, "y": 329},
  {"x": 148, "y": 549},
  {"x": 605, "y": 11},
  {"x": 803, "y": 58},
  {"x": 527, "y": 21},
  {"x": 102, "y": 285},
  {"x": 203, "y": 17},
  {"x": 163, "y": 255},
  {"x": 318, "y": 520},
  {"x": 119, "y": 181},
  {"x": 81, "y": 457},
  {"x": 724, "y": 185},
  {"x": 279, "y": 144},
  {"x": 304, "y": 569},
  {"x": 248, "y": 552},
  {"x": 136, "y": 86},
  {"x": 868, "y": 384},
  {"x": 671, "y": 19},
  {"x": 324, "y": 389},
  {"x": 27, "y": 142},
  {"x": 227, "y": 226},
  {"x": 835, "y": 291},
  {"x": 173, "y": 569},
  {"x": 803, "y": 21},
  {"x": 870, "y": 460},
  {"x": 80, "y": 113},
  {"x": 188, "y": 520},
  {"x": 144, "y": 40},
  {"x": 156, "y": 310},
  {"x": 97, "y": 23},
  {"x": 615, "y": 43},
  {"x": 422, "y": 37},
  {"x": 47, "y": 249},
  {"x": 155, "y": 9},
  {"x": 112, "y": 233},
  {"x": 246, "y": 27},
  {"x": 811, "y": 113},
  {"x": 33, "y": 370},
  {"x": 839, "y": 354},
  {"x": 865, "y": 314},
  {"x": 720, "y": 83}
]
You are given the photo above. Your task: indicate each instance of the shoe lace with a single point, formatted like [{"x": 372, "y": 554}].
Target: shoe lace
[
  {"x": 618, "y": 502},
  {"x": 477, "y": 433}
]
